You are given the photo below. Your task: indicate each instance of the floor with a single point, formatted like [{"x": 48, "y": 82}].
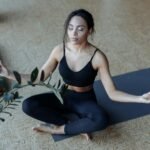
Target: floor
[{"x": 28, "y": 32}]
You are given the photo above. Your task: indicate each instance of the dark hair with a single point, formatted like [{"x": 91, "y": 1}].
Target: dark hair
[{"x": 81, "y": 13}]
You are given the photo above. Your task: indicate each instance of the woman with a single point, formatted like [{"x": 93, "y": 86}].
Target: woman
[{"x": 79, "y": 62}]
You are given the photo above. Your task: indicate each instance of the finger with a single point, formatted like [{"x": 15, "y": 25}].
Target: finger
[{"x": 146, "y": 97}]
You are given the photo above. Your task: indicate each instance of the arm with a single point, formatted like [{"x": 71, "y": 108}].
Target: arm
[
  {"x": 113, "y": 93},
  {"x": 7, "y": 74},
  {"x": 51, "y": 64}
]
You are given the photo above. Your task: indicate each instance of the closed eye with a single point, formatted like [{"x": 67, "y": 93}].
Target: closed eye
[
  {"x": 80, "y": 29},
  {"x": 70, "y": 28}
]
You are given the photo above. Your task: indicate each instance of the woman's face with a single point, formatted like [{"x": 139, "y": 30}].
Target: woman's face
[{"x": 77, "y": 30}]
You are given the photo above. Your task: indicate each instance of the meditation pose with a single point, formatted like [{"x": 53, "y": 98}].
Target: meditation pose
[{"x": 79, "y": 62}]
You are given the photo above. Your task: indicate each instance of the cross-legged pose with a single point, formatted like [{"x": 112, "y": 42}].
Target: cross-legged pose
[{"x": 78, "y": 62}]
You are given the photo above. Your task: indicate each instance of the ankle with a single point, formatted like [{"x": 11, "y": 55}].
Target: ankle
[{"x": 59, "y": 129}]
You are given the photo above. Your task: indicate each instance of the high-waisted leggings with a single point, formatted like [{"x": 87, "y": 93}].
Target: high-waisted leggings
[{"x": 80, "y": 112}]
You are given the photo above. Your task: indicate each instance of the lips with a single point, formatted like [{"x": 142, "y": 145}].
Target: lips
[{"x": 74, "y": 39}]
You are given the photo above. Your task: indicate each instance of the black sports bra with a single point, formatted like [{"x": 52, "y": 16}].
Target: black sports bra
[{"x": 84, "y": 77}]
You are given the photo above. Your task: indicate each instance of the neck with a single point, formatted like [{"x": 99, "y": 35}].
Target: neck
[{"x": 78, "y": 47}]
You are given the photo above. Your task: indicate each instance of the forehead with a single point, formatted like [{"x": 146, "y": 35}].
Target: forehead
[{"x": 77, "y": 21}]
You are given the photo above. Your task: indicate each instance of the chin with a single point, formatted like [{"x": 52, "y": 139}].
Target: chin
[{"x": 75, "y": 42}]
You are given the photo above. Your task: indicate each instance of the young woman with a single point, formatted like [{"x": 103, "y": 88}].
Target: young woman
[{"x": 79, "y": 62}]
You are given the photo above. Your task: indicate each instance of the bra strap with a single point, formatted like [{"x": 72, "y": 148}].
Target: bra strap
[
  {"x": 93, "y": 54},
  {"x": 64, "y": 48}
]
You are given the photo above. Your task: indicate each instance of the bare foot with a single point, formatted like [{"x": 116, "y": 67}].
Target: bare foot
[
  {"x": 87, "y": 136},
  {"x": 47, "y": 128},
  {"x": 54, "y": 129}
]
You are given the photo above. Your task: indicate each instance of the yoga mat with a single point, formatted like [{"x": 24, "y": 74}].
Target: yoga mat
[{"x": 137, "y": 82}]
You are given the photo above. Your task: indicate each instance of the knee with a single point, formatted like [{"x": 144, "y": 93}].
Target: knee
[
  {"x": 27, "y": 106},
  {"x": 100, "y": 122}
]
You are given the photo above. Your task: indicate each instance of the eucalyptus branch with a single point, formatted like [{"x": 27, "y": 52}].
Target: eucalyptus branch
[{"x": 10, "y": 95}]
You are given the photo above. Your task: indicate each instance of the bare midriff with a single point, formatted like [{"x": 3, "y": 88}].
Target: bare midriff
[{"x": 80, "y": 89}]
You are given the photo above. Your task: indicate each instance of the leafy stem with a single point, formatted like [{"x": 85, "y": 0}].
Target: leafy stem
[{"x": 11, "y": 94}]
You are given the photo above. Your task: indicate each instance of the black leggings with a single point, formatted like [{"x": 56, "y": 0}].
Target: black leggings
[{"x": 80, "y": 112}]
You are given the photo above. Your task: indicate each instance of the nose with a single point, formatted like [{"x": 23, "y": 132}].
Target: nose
[{"x": 75, "y": 32}]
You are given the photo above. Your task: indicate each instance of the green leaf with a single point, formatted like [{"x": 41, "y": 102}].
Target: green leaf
[
  {"x": 7, "y": 113},
  {"x": 14, "y": 104},
  {"x": 34, "y": 74},
  {"x": 17, "y": 101},
  {"x": 54, "y": 85},
  {"x": 16, "y": 85},
  {"x": 17, "y": 76},
  {"x": 59, "y": 82},
  {"x": 2, "y": 119},
  {"x": 63, "y": 89},
  {"x": 16, "y": 95},
  {"x": 42, "y": 76},
  {"x": 59, "y": 96},
  {"x": 4, "y": 83},
  {"x": 8, "y": 97},
  {"x": 10, "y": 108},
  {"x": 30, "y": 83},
  {"x": 49, "y": 80},
  {"x": 1, "y": 107}
]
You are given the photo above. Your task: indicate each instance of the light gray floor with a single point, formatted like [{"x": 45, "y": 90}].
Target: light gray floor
[{"x": 30, "y": 29}]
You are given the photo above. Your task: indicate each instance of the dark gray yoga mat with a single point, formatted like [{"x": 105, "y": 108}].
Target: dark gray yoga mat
[{"x": 137, "y": 82}]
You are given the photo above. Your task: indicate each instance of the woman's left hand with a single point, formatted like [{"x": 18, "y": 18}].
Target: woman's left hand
[{"x": 145, "y": 98}]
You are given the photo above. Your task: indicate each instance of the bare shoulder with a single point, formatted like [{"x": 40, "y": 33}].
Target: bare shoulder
[
  {"x": 58, "y": 48},
  {"x": 100, "y": 59},
  {"x": 99, "y": 54},
  {"x": 57, "y": 52}
]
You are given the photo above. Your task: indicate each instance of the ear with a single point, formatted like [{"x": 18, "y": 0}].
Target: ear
[{"x": 90, "y": 31}]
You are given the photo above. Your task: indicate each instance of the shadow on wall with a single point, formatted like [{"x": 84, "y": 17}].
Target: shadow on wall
[
  {"x": 9, "y": 16},
  {"x": 3, "y": 56}
]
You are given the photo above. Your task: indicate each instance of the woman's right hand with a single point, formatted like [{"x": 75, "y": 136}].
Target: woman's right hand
[
  {"x": 5, "y": 79},
  {"x": 3, "y": 70}
]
